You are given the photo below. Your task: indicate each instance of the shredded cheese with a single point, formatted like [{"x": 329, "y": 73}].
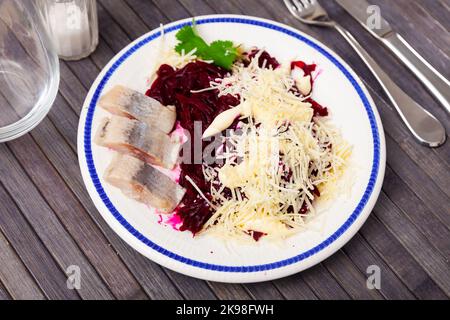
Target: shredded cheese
[
  {"x": 265, "y": 93},
  {"x": 275, "y": 164}
]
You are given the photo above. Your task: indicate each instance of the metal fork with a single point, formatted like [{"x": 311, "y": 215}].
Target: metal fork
[{"x": 422, "y": 124}]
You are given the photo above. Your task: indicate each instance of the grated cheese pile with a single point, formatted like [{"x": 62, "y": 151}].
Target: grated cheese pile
[
  {"x": 277, "y": 162},
  {"x": 265, "y": 93}
]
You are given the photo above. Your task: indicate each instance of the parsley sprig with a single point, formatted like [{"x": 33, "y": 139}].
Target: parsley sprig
[{"x": 223, "y": 53}]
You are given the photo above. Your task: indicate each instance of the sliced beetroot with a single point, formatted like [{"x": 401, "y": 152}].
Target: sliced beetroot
[
  {"x": 308, "y": 69},
  {"x": 319, "y": 110},
  {"x": 257, "y": 235},
  {"x": 265, "y": 57},
  {"x": 173, "y": 87}
]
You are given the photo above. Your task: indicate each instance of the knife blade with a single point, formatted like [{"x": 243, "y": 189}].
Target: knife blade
[
  {"x": 373, "y": 22},
  {"x": 362, "y": 11}
]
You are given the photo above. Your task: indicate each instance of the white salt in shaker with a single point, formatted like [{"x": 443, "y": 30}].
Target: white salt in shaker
[{"x": 72, "y": 25}]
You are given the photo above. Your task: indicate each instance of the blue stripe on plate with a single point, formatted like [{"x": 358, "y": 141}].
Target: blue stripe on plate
[{"x": 222, "y": 268}]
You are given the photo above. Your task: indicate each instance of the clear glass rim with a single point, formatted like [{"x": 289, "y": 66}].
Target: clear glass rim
[
  {"x": 37, "y": 114},
  {"x": 44, "y": 104}
]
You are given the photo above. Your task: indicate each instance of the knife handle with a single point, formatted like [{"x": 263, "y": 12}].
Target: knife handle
[
  {"x": 429, "y": 76},
  {"x": 422, "y": 124}
]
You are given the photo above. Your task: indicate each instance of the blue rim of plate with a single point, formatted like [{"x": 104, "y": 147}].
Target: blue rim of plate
[{"x": 214, "y": 267}]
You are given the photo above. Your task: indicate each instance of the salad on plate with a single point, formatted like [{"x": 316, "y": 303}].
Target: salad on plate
[{"x": 227, "y": 140}]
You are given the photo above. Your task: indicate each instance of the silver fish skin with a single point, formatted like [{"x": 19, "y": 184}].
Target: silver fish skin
[
  {"x": 144, "y": 183},
  {"x": 132, "y": 104},
  {"x": 139, "y": 140}
]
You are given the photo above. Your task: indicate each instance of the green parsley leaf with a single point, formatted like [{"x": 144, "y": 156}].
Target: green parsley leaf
[
  {"x": 223, "y": 53},
  {"x": 189, "y": 41}
]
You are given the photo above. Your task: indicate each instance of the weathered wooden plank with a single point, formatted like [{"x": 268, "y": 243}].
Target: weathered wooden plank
[
  {"x": 225, "y": 7},
  {"x": 71, "y": 88},
  {"x": 72, "y": 138},
  {"x": 31, "y": 251},
  {"x": 239, "y": 292},
  {"x": 3, "y": 293},
  {"x": 435, "y": 202},
  {"x": 321, "y": 282},
  {"x": 445, "y": 3},
  {"x": 423, "y": 185},
  {"x": 125, "y": 17},
  {"x": 431, "y": 39},
  {"x": 349, "y": 277},
  {"x": 101, "y": 56},
  {"x": 100, "y": 59},
  {"x": 191, "y": 288},
  {"x": 7, "y": 112},
  {"x": 400, "y": 74},
  {"x": 263, "y": 291},
  {"x": 389, "y": 63},
  {"x": 65, "y": 120},
  {"x": 202, "y": 290},
  {"x": 76, "y": 220},
  {"x": 256, "y": 291},
  {"x": 225, "y": 291},
  {"x": 400, "y": 260},
  {"x": 85, "y": 67},
  {"x": 364, "y": 256},
  {"x": 437, "y": 11},
  {"x": 47, "y": 226},
  {"x": 148, "y": 12},
  {"x": 14, "y": 275},
  {"x": 294, "y": 288},
  {"x": 158, "y": 292},
  {"x": 415, "y": 242},
  {"x": 414, "y": 210},
  {"x": 118, "y": 39},
  {"x": 197, "y": 8},
  {"x": 173, "y": 10},
  {"x": 65, "y": 162},
  {"x": 429, "y": 162},
  {"x": 259, "y": 9}
]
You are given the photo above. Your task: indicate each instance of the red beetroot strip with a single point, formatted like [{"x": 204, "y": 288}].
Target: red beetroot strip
[
  {"x": 308, "y": 69},
  {"x": 173, "y": 87}
]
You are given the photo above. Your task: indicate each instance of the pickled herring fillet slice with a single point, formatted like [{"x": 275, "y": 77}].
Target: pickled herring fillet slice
[
  {"x": 144, "y": 183},
  {"x": 128, "y": 103},
  {"x": 139, "y": 140}
]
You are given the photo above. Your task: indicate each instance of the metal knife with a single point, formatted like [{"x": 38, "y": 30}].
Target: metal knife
[{"x": 435, "y": 82}]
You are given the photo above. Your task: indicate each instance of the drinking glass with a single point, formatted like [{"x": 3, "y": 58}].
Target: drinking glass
[{"x": 29, "y": 69}]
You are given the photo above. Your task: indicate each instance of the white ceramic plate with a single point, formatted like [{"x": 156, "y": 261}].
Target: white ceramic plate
[{"x": 207, "y": 257}]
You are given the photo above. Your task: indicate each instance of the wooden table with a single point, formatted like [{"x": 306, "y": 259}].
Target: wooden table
[{"x": 48, "y": 222}]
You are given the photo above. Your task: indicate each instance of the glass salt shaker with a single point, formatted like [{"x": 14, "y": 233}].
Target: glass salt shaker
[{"x": 72, "y": 26}]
